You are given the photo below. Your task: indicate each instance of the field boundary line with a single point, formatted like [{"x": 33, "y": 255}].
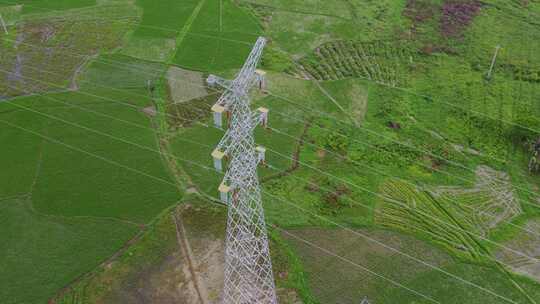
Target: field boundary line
[
  {"x": 13, "y": 197},
  {"x": 186, "y": 28},
  {"x": 300, "y": 141},
  {"x": 185, "y": 248},
  {"x": 125, "y": 247},
  {"x": 220, "y": 16},
  {"x": 91, "y": 273}
]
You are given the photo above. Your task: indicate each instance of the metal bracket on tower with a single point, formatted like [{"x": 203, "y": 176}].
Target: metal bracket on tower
[
  {"x": 263, "y": 116},
  {"x": 261, "y": 79}
]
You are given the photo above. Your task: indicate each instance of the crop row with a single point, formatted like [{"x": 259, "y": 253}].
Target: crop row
[
  {"x": 414, "y": 211},
  {"x": 380, "y": 61}
]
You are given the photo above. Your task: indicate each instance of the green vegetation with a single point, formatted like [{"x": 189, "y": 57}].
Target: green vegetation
[
  {"x": 44, "y": 6},
  {"x": 158, "y": 241},
  {"x": 382, "y": 116},
  {"x": 35, "y": 241}
]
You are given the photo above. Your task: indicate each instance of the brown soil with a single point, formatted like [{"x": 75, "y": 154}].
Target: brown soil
[{"x": 192, "y": 274}]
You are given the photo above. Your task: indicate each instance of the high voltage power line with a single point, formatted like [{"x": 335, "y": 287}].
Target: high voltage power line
[
  {"x": 212, "y": 199},
  {"x": 305, "y": 180},
  {"x": 289, "y": 135},
  {"x": 278, "y": 198},
  {"x": 207, "y": 168},
  {"x": 439, "y": 170}
]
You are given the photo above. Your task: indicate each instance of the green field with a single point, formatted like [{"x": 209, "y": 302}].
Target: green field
[{"x": 384, "y": 121}]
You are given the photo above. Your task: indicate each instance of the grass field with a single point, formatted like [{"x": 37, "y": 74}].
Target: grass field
[
  {"x": 35, "y": 242},
  {"x": 382, "y": 116}
]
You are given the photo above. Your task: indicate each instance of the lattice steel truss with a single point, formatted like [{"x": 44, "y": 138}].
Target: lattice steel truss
[{"x": 248, "y": 269}]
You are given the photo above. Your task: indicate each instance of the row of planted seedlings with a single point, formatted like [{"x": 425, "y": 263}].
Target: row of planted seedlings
[
  {"x": 412, "y": 210},
  {"x": 378, "y": 60}
]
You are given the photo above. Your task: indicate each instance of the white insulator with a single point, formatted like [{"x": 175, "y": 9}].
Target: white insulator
[
  {"x": 217, "y": 155},
  {"x": 264, "y": 116},
  {"x": 261, "y": 79},
  {"x": 225, "y": 193},
  {"x": 261, "y": 154},
  {"x": 218, "y": 111},
  {"x": 211, "y": 80}
]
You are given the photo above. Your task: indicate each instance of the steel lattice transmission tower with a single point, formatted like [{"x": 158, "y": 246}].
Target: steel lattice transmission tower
[{"x": 248, "y": 269}]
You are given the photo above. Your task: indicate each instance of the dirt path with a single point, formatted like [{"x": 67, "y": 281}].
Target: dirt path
[
  {"x": 185, "y": 247},
  {"x": 187, "y": 27}
]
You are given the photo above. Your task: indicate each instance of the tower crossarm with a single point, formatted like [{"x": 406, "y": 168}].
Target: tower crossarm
[
  {"x": 215, "y": 80},
  {"x": 244, "y": 78}
]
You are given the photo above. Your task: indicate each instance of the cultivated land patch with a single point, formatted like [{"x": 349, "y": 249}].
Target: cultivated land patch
[
  {"x": 85, "y": 208},
  {"x": 155, "y": 36},
  {"x": 218, "y": 39},
  {"x": 35, "y": 242},
  {"x": 121, "y": 72},
  {"x": 499, "y": 205},
  {"x": 333, "y": 147},
  {"x": 337, "y": 281},
  {"x": 185, "y": 85},
  {"x": 179, "y": 259},
  {"x": 22, "y": 149},
  {"x": 334, "y": 280},
  {"x": 527, "y": 242},
  {"x": 70, "y": 190},
  {"x": 299, "y": 28},
  {"x": 455, "y": 218},
  {"x": 44, "y": 55},
  {"x": 380, "y": 61},
  {"x": 11, "y": 13}
]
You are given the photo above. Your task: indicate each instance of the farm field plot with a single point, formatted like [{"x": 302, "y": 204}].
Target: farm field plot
[
  {"x": 337, "y": 281},
  {"x": 47, "y": 54},
  {"x": 301, "y": 26},
  {"x": 218, "y": 39},
  {"x": 131, "y": 145},
  {"x": 35, "y": 241},
  {"x": 40, "y": 6},
  {"x": 67, "y": 196}
]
